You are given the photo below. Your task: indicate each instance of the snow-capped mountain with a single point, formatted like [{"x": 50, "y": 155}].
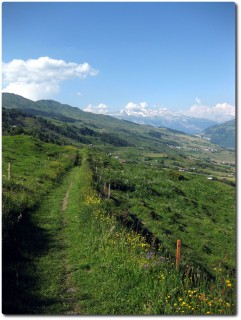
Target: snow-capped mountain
[
  {"x": 167, "y": 119},
  {"x": 190, "y": 121}
]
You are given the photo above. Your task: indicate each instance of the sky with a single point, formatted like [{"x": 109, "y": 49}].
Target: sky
[{"x": 123, "y": 56}]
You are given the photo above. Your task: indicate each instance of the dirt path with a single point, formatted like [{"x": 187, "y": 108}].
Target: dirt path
[
  {"x": 70, "y": 288},
  {"x": 49, "y": 258},
  {"x": 66, "y": 198},
  {"x": 53, "y": 285}
]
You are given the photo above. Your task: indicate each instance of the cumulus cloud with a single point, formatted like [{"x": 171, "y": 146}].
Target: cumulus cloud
[
  {"x": 135, "y": 107},
  {"x": 99, "y": 109},
  {"x": 142, "y": 109},
  {"x": 221, "y": 112},
  {"x": 40, "y": 78}
]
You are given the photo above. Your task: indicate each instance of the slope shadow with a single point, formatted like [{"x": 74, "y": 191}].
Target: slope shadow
[{"x": 20, "y": 283}]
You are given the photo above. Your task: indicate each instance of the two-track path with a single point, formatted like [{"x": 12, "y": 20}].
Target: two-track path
[{"x": 53, "y": 289}]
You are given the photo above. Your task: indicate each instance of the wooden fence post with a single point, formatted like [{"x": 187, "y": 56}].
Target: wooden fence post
[
  {"x": 178, "y": 254},
  {"x": 9, "y": 170}
]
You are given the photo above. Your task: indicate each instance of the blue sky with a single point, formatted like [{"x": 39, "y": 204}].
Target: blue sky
[{"x": 104, "y": 56}]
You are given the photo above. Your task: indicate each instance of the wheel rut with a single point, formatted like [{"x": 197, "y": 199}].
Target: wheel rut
[
  {"x": 66, "y": 198},
  {"x": 70, "y": 288}
]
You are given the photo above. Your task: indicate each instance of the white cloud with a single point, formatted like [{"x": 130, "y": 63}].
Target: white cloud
[
  {"x": 41, "y": 78},
  {"x": 221, "y": 112},
  {"x": 134, "y": 107},
  {"x": 33, "y": 91},
  {"x": 142, "y": 109},
  {"x": 99, "y": 109}
]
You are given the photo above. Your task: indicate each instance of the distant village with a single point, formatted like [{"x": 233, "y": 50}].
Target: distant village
[{"x": 207, "y": 149}]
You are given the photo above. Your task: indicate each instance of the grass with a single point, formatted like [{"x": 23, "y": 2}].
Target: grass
[
  {"x": 36, "y": 167},
  {"x": 117, "y": 272},
  {"x": 78, "y": 259},
  {"x": 175, "y": 205},
  {"x": 34, "y": 280}
]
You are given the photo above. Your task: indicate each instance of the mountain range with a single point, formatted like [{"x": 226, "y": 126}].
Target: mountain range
[
  {"x": 166, "y": 119},
  {"x": 52, "y": 121},
  {"x": 61, "y": 123}
]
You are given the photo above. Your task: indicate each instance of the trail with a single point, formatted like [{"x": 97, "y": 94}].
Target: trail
[
  {"x": 63, "y": 253},
  {"x": 52, "y": 289},
  {"x": 66, "y": 198},
  {"x": 71, "y": 289}
]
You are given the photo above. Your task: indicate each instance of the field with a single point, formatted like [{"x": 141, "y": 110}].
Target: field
[
  {"x": 174, "y": 204},
  {"x": 34, "y": 168},
  {"x": 91, "y": 232}
]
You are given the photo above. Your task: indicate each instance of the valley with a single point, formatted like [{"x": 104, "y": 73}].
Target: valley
[{"x": 93, "y": 207}]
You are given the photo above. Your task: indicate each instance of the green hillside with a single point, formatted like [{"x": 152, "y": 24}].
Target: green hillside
[
  {"x": 93, "y": 207},
  {"x": 223, "y": 134},
  {"x": 55, "y": 109},
  {"x": 52, "y": 121},
  {"x": 173, "y": 205}
]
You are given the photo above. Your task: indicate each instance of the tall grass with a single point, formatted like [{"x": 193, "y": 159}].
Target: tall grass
[
  {"x": 82, "y": 261},
  {"x": 118, "y": 272},
  {"x": 36, "y": 167},
  {"x": 174, "y": 205}
]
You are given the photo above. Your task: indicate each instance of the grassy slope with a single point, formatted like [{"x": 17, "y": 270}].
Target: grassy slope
[
  {"x": 36, "y": 282},
  {"x": 198, "y": 211},
  {"x": 105, "y": 130},
  {"x": 36, "y": 167},
  {"x": 78, "y": 260},
  {"x": 56, "y": 268},
  {"x": 223, "y": 134}
]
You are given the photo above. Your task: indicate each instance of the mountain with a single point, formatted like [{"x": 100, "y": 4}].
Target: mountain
[
  {"x": 167, "y": 119},
  {"x": 52, "y": 121},
  {"x": 64, "y": 112},
  {"x": 222, "y": 134},
  {"x": 160, "y": 118},
  {"x": 63, "y": 124}
]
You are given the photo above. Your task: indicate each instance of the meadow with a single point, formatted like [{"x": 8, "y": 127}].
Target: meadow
[
  {"x": 35, "y": 168},
  {"x": 173, "y": 205},
  {"x": 71, "y": 247}
]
